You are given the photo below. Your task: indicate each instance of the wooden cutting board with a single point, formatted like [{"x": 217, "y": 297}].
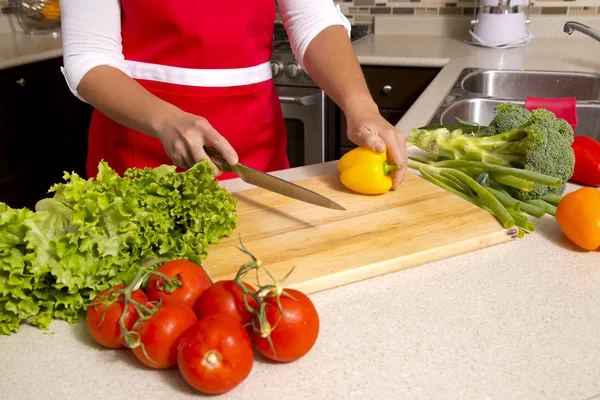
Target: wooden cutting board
[{"x": 376, "y": 235}]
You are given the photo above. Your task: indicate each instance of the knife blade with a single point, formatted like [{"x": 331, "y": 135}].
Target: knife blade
[{"x": 272, "y": 183}]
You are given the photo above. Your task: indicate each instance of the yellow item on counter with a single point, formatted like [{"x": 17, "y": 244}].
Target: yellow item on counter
[
  {"x": 364, "y": 171},
  {"x": 50, "y": 10}
]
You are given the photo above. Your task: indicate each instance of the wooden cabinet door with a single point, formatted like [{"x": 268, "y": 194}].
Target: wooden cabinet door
[
  {"x": 397, "y": 87},
  {"x": 394, "y": 90},
  {"x": 36, "y": 139},
  {"x": 75, "y": 122},
  {"x": 24, "y": 133}
]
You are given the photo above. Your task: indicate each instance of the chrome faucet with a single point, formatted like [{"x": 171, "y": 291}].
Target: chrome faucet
[{"x": 576, "y": 26}]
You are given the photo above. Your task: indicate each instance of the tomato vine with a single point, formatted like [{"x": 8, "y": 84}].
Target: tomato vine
[
  {"x": 274, "y": 290},
  {"x": 263, "y": 302},
  {"x": 131, "y": 338}
]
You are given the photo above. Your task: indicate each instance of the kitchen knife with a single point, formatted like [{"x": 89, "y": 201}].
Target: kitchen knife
[{"x": 270, "y": 182}]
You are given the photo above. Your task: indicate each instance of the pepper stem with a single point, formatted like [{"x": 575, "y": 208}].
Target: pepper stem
[{"x": 387, "y": 167}]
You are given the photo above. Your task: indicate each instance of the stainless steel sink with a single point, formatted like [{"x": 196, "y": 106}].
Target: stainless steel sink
[
  {"x": 476, "y": 93},
  {"x": 520, "y": 84},
  {"x": 482, "y": 111}
]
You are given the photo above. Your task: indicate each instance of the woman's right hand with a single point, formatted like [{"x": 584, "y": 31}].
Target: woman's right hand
[{"x": 184, "y": 136}]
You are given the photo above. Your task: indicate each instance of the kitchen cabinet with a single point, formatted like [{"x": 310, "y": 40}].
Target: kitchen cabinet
[
  {"x": 43, "y": 131},
  {"x": 394, "y": 90}
]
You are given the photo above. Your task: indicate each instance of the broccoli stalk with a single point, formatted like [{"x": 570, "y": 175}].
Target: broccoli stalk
[
  {"x": 542, "y": 145},
  {"x": 516, "y": 166}
]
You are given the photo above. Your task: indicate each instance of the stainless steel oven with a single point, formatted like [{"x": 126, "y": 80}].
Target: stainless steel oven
[{"x": 304, "y": 112}]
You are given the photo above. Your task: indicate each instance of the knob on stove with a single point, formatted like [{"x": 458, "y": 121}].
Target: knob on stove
[
  {"x": 276, "y": 68},
  {"x": 293, "y": 70}
]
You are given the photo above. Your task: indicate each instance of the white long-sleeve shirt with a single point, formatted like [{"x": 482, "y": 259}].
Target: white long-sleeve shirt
[{"x": 91, "y": 32}]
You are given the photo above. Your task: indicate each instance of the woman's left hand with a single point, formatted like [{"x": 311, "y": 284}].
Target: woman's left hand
[{"x": 369, "y": 129}]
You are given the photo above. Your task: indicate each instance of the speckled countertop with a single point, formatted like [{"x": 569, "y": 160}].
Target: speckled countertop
[
  {"x": 515, "y": 321},
  {"x": 17, "y": 48}
]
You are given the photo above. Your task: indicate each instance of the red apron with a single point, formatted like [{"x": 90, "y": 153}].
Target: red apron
[{"x": 209, "y": 58}]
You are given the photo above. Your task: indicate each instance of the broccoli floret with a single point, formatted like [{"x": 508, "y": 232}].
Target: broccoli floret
[
  {"x": 542, "y": 144},
  {"x": 508, "y": 116},
  {"x": 552, "y": 154}
]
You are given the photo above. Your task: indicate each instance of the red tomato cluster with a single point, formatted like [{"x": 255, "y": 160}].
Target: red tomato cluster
[{"x": 203, "y": 329}]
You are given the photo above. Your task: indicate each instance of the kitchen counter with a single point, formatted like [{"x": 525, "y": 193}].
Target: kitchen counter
[
  {"x": 515, "y": 321},
  {"x": 18, "y": 48}
]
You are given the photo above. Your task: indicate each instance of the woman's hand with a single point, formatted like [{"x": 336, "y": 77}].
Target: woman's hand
[
  {"x": 331, "y": 62},
  {"x": 184, "y": 136},
  {"x": 369, "y": 129}
]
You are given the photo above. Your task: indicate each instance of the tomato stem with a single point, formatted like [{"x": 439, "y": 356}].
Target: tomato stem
[
  {"x": 131, "y": 338},
  {"x": 274, "y": 290},
  {"x": 142, "y": 309},
  {"x": 164, "y": 284},
  {"x": 212, "y": 359}
]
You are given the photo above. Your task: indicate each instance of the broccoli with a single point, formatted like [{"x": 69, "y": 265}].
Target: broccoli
[
  {"x": 508, "y": 116},
  {"x": 552, "y": 156},
  {"x": 541, "y": 144}
]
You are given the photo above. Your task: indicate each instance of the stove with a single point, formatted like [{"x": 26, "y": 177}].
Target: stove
[
  {"x": 312, "y": 119},
  {"x": 284, "y": 66}
]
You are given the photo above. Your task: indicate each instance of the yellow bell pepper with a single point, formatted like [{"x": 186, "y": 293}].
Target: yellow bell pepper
[{"x": 364, "y": 171}]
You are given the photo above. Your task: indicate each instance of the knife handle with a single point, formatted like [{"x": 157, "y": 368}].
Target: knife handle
[{"x": 219, "y": 161}]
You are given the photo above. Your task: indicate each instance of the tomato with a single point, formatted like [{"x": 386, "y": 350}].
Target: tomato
[
  {"x": 160, "y": 335},
  {"x": 194, "y": 280},
  {"x": 107, "y": 331},
  {"x": 215, "y": 355},
  {"x": 296, "y": 332},
  {"x": 226, "y": 297}
]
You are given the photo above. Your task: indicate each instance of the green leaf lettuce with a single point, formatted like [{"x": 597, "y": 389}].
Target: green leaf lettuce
[{"x": 94, "y": 233}]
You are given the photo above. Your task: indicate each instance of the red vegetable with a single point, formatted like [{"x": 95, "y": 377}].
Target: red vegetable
[
  {"x": 186, "y": 284},
  {"x": 106, "y": 330},
  {"x": 226, "y": 297},
  {"x": 587, "y": 161},
  {"x": 215, "y": 355},
  {"x": 160, "y": 335},
  {"x": 296, "y": 332}
]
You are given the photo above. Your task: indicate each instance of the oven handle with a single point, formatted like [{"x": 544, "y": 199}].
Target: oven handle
[{"x": 301, "y": 100}]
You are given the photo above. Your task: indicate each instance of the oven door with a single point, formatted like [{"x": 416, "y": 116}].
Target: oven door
[{"x": 304, "y": 113}]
